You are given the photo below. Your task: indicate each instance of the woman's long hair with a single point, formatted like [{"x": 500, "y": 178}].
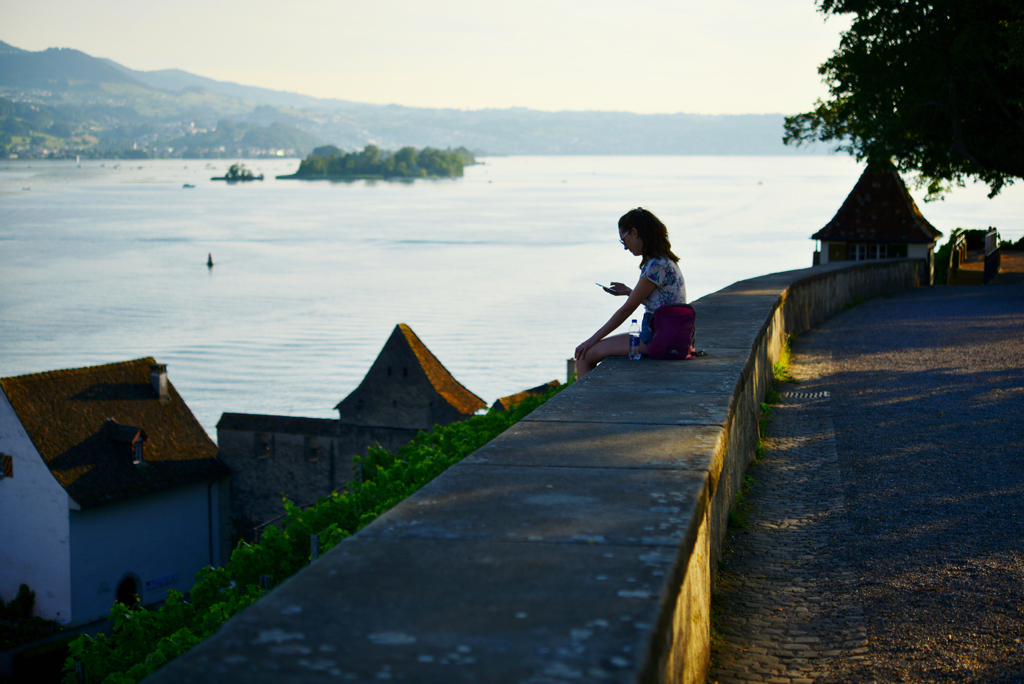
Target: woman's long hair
[{"x": 651, "y": 231}]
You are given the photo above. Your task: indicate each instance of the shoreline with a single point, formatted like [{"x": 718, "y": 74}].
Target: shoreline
[{"x": 337, "y": 179}]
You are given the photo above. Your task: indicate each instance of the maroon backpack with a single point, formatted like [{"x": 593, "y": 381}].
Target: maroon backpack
[{"x": 672, "y": 326}]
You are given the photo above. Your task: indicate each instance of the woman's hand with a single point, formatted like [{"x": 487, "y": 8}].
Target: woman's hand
[
  {"x": 581, "y": 350},
  {"x": 619, "y": 290}
]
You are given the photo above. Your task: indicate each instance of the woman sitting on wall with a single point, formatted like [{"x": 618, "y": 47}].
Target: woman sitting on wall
[{"x": 661, "y": 283}]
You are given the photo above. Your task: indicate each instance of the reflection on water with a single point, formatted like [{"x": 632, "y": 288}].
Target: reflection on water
[{"x": 495, "y": 271}]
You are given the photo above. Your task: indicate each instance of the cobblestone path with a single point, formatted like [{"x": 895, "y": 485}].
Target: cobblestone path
[
  {"x": 782, "y": 613},
  {"x": 885, "y": 536}
]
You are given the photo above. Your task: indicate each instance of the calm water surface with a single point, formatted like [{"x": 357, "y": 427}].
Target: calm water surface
[{"x": 495, "y": 271}]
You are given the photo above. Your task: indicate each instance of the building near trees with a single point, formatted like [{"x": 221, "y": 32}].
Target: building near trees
[
  {"x": 407, "y": 387},
  {"x": 878, "y": 220},
  {"x": 406, "y": 390},
  {"x": 111, "y": 490}
]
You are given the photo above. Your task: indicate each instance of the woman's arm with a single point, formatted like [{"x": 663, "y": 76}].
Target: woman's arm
[{"x": 642, "y": 290}]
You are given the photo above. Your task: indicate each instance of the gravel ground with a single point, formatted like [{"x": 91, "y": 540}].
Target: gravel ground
[{"x": 903, "y": 492}]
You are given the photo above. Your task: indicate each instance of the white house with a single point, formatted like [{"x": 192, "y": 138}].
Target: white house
[{"x": 111, "y": 490}]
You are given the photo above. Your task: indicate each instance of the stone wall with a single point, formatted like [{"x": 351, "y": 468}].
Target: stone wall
[
  {"x": 303, "y": 459},
  {"x": 580, "y": 545}
]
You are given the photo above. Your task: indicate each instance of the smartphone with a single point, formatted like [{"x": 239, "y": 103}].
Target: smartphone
[{"x": 603, "y": 286}]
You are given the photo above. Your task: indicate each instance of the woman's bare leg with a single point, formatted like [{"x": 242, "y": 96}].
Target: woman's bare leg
[{"x": 615, "y": 345}]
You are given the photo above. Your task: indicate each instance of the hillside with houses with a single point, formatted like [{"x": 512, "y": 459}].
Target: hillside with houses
[{"x": 62, "y": 102}]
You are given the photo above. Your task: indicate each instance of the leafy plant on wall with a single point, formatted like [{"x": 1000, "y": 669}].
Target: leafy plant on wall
[{"x": 142, "y": 641}]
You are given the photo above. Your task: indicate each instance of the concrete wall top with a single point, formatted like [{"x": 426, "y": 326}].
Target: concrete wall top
[{"x": 577, "y": 546}]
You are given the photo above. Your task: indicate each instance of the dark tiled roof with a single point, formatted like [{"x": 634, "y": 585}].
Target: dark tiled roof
[
  {"x": 879, "y": 209},
  {"x": 65, "y": 413},
  {"x": 507, "y": 403},
  {"x": 464, "y": 401},
  {"x": 286, "y": 425}
]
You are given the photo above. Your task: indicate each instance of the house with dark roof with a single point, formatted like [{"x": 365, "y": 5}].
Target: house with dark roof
[
  {"x": 878, "y": 220},
  {"x": 511, "y": 401},
  {"x": 303, "y": 459},
  {"x": 407, "y": 387},
  {"x": 112, "y": 490}
]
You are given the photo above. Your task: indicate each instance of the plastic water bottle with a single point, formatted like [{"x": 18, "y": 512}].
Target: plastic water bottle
[{"x": 634, "y": 341}]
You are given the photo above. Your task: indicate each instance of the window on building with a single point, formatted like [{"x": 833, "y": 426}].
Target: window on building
[
  {"x": 836, "y": 252},
  {"x": 860, "y": 252},
  {"x": 312, "y": 449}
]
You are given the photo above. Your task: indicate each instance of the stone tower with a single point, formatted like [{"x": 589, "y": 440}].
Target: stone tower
[{"x": 407, "y": 387}]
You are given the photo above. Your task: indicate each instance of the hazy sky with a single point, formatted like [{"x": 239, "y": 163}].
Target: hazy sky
[{"x": 706, "y": 57}]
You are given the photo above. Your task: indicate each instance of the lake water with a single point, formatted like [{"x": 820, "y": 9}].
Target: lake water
[{"x": 494, "y": 271}]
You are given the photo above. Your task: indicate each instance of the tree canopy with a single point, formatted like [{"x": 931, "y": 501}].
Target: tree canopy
[
  {"x": 935, "y": 86},
  {"x": 330, "y": 162},
  {"x": 238, "y": 172}
]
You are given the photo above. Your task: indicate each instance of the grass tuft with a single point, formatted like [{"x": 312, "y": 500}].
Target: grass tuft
[
  {"x": 780, "y": 369},
  {"x": 780, "y": 374}
]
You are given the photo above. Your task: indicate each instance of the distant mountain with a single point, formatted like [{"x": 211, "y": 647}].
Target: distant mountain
[
  {"x": 174, "y": 80},
  {"x": 55, "y": 68},
  {"x": 525, "y": 131},
  {"x": 179, "y": 106}
]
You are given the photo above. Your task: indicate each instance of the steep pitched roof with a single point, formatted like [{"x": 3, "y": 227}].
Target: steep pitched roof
[
  {"x": 447, "y": 386},
  {"x": 66, "y": 414},
  {"x": 879, "y": 209},
  {"x": 512, "y": 400}
]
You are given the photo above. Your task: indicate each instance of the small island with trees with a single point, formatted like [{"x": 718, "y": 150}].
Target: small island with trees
[
  {"x": 329, "y": 162},
  {"x": 238, "y": 173}
]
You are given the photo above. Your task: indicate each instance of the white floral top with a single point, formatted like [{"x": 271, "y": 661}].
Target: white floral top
[{"x": 668, "y": 279}]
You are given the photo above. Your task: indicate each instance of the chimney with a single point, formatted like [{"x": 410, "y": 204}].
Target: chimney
[{"x": 158, "y": 378}]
